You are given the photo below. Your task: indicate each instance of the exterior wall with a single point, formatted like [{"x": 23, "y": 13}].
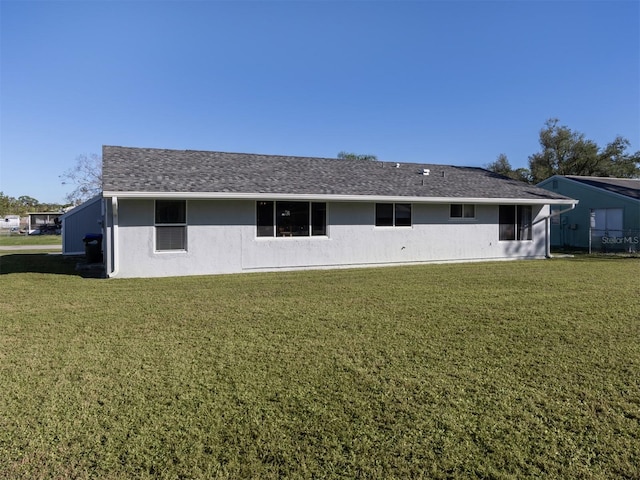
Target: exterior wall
[
  {"x": 10, "y": 221},
  {"x": 85, "y": 218},
  {"x": 37, "y": 220},
  {"x": 572, "y": 229},
  {"x": 221, "y": 238}
]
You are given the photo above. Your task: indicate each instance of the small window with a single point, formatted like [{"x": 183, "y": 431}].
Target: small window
[
  {"x": 318, "y": 218},
  {"x": 403, "y": 214},
  {"x": 384, "y": 214},
  {"x": 393, "y": 214},
  {"x": 460, "y": 210},
  {"x": 264, "y": 219},
  {"x": 171, "y": 225}
]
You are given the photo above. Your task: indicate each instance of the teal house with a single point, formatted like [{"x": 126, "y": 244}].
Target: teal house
[{"x": 606, "y": 219}]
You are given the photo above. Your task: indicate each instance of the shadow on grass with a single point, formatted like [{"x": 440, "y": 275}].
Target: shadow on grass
[{"x": 45, "y": 263}]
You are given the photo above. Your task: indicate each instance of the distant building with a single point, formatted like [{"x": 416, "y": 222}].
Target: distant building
[
  {"x": 606, "y": 218},
  {"x": 44, "y": 222},
  {"x": 10, "y": 221}
]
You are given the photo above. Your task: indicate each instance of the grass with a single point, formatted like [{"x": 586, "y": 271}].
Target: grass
[
  {"x": 13, "y": 240},
  {"x": 496, "y": 370}
]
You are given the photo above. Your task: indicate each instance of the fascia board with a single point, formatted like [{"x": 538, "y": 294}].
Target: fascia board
[{"x": 335, "y": 198}]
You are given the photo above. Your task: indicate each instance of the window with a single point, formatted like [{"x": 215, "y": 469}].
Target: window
[
  {"x": 318, "y": 218},
  {"x": 393, "y": 214},
  {"x": 264, "y": 219},
  {"x": 462, "y": 211},
  {"x": 291, "y": 219},
  {"x": 171, "y": 225},
  {"x": 515, "y": 222}
]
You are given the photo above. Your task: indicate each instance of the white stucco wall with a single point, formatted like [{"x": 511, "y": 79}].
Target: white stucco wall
[{"x": 221, "y": 238}]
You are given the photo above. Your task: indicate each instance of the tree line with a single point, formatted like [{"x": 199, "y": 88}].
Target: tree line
[
  {"x": 566, "y": 152},
  {"x": 24, "y": 205},
  {"x": 563, "y": 152}
]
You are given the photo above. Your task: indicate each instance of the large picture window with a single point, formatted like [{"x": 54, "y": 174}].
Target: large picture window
[
  {"x": 291, "y": 219},
  {"x": 515, "y": 222},
  {"x": 171, "y": 225},
  {"x": 393, "y": 214}
]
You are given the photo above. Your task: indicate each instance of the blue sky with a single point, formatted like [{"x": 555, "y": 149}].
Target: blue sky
[{"x": 410, "y": 81}]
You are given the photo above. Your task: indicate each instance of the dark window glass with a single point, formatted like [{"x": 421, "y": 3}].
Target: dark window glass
[
  {"x": 469, "y": 211},
  {"x": 318, "y": 219},
  {"x": 264, "y": 219},
  {"x": 403, "y": 214},
  {"x": 171, "y": 229},
  {"x": 171, "y": 211},
  {"x": 507, "y": 222},
  {"x": 462, "y": 211},
  {"x": 384, "y": 214},
  {"x": 525, "y": 213},
  {"x": 292, "y": 219},
  {"x": 516, "y": 222}
]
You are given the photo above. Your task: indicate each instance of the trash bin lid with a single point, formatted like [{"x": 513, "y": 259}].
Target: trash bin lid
[{"x": 92, "y": 236}]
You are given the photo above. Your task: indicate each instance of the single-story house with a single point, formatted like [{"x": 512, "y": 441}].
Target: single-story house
[
  {"x": 44, "y": 222},
  {"x": 10, "y": 221},
  {"x": 78, "y": 222},
  {"x": 184, "y": 212},
  {"x": 607, "y": 217}
]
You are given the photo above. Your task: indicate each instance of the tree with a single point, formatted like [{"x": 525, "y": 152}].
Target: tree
[
  {"x": 24, "y": 204},
  {"x": 565, "y": 152},
  {"x": 29, "y": 203},
  {"x": 503, "y": 167},
  {"x": 355, "y": 156},
  {"x": 86, "y": 175}
]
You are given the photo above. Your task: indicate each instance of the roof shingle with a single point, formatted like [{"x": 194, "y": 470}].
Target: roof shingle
[
  {"x": 148, "y": 170},
  {"x": 629, "y": 187}
]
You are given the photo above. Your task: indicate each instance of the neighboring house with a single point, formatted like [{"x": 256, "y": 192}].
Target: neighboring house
[
  {"x": 175, "y": 212},
  {"x": 10, "y": 221},
  {"x": 78, "y": 222},
  {"x": 607, "y": 217},
  {"x": 44, "y": 222}
]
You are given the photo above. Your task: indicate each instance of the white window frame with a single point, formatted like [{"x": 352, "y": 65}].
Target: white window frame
[
  {"x": 274, "y": 220},
  {"x": 393, "y": 209},
  {"x": 517, "y": 226},
  {"x": 157, "y": 225},
  {"x": 463, "y": 207}
]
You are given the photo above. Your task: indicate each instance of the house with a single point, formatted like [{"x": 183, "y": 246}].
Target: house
[
  {"x": 10, "y": 222},
  {"x": 78, "y": 222},
  {"x": 607, "y": 217},
  {"x": 184, "y": 212},
  {"x": 44, "y": 223}
]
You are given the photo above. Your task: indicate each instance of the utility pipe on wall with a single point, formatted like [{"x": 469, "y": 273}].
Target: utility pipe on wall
[
  {"x": 547, "y": 227},
  {"x": 114, "y": 237}
]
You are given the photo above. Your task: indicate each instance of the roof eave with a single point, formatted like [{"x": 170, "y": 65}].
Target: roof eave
[{"x": 335, "y": 198}]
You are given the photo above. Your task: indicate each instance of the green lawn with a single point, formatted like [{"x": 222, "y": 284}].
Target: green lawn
[
  {"x": 495, "y": 370},
  {"x": 12, "y": 240}
]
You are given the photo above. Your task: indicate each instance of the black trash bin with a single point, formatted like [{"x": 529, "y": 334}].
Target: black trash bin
[{"x": 93, "y": 247}]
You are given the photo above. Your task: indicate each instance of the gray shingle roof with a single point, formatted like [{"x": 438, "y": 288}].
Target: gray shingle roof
[
  {"x": 160, "y": 171},
  {"x": 629, "y": 187}
]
